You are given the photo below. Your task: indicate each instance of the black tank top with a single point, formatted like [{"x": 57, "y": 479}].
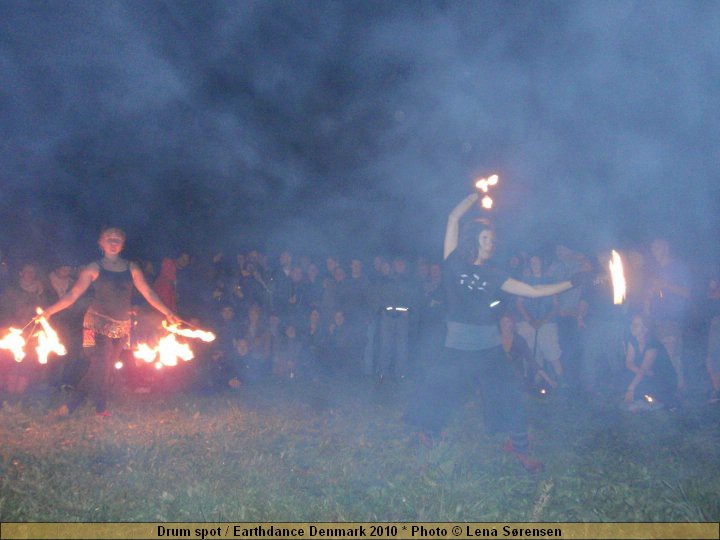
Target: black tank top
[{"x": 113, "y": 293}]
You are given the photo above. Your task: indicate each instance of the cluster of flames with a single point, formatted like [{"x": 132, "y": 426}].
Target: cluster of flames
[
  {"x": 46, "y": 336},
  {"x": 484, "y": 185},
  {"x": 167, "y": 352}
]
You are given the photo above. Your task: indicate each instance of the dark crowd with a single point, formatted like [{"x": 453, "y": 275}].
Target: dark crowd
[{"x": 291, "y": 316}]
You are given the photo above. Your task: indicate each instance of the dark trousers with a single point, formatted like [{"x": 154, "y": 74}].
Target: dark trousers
[
  {"x": 95, "y": 384},
  {"x": 458, "y": 374}
]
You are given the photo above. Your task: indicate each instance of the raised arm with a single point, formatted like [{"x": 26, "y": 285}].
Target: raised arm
[
  {"x": 85, "y": 278},
  {"x": 149, "y": 294},
  {"x": 452, "y": 231}
]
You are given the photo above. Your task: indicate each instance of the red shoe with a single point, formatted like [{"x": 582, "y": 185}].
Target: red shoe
[
  {"x": 529, "y": 463},
  {"x": 103, "y": 414}
]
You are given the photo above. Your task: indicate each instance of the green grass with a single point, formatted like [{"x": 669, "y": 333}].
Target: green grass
[{"x": 294, "y": 451}]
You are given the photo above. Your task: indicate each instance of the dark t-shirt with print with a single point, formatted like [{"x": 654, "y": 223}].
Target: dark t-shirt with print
[{"x": 472, "y": 291}]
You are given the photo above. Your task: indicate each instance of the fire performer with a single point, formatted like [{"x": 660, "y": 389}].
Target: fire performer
[
  {"x": 107, "y": 323},
  {"x": 473, "y": 349}
]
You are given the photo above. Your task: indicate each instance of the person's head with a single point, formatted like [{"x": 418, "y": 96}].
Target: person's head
[
  {"x": 660, "y": 250},
  {"x": 385, "y": 268},
  {"x": 339, "y": 318},
  {"x": 536, "y": 265},
  {"x": 356, "y": 268},
  {"x": 111, "y": 241},
  {"x": 290, "y": 332},
  {"x": 563, "y": 253},
  {"x": 296, "y": 274},
  {"x": 183, "y": 260},
  {"x": 377, "y": 263},
  {"x": 254, "y": 312},
  {"x": 227, "y": 313},
  {"x": 274, "y": 322},
  {"x": 63, "y": 270},
  {"x": 285, "y": 258},
  {"x": 507, "y": 324},
  {"x": 478, "y": 241},
  {"x": 28, "y": 274},
  {"x": 314, "y": 315},
  {"x": 312, "y": 272},
  {"x": 638, "y": 326},
  {"x": 399, "y": 265},
  {"x": 242, "y": 347},
  {"x": 338, "y": 274},
  {"x": 237, "y": 291},
  {"x": 331, "y": 263}
]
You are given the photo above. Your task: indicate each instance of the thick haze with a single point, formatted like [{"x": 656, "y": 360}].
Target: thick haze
[{"x": 348, "y": 125}]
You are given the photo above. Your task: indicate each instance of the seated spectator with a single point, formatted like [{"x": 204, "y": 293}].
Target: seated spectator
[{"x": 653, "y": 380}]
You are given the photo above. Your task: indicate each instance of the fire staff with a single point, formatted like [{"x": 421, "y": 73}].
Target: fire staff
[{"x": 106, "y": 325}]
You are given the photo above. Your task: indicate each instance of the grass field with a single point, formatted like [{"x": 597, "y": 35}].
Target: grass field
[{"x": 298, "y": 451}]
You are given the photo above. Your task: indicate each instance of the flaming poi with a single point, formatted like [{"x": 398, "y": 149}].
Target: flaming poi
[
  {"x": 618, "y": 278},
  {"x": 484, "y": 184},
  {"x": 14, "y": 342},
  {"x": 169, "y": 350},
  {"x": 47, "y": 340}
]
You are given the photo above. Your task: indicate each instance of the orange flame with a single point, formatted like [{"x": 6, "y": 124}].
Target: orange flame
[
  {"x": 48, "y": 340},
  {"x": 15, "y": 343},
  {"x": 482, "y": 185},
  {"x": 165, "y": 353},
  {"x": 618, "y": 278},
  {"x": 195, "y": 334}
]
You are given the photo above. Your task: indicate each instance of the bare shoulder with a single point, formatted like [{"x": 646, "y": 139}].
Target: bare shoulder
[{"x": 90, "y": 271}]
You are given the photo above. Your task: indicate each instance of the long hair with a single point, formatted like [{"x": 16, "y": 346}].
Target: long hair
[{"x": 468, "y": 243}]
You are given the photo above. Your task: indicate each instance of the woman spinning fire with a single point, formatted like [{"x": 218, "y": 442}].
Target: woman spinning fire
[
  {"x": 107, "y": 323},
  {"x": 474, "y": 355}
]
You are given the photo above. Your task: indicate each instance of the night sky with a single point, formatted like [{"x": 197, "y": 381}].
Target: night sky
[{"x": 331, "y": 126}]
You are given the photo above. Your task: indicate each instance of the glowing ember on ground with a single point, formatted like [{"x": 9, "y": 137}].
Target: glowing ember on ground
[
  {"x": 649, "y": 398},
  {"x": 618, "y": 278},
  {"x": 118, "y": 365},
  {"x": 15, "y": 343},
  {"x": 487, "y": 202}
]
